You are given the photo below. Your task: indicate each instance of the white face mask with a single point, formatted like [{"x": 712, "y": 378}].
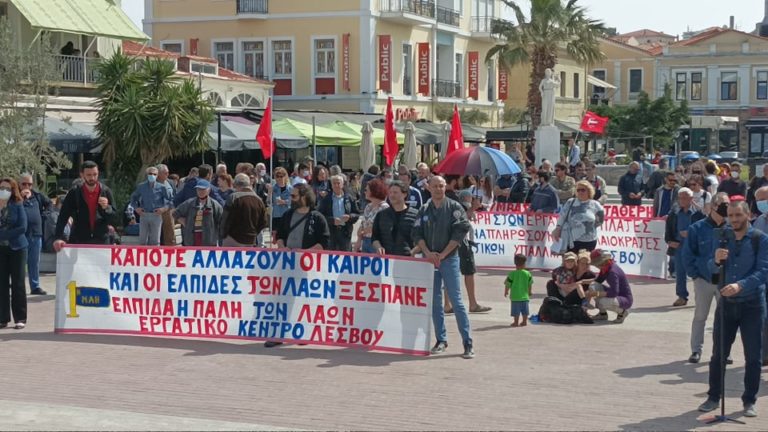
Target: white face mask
[
  {"x": 5, "y": 195},
  {"x": 735, "y": 174},
  {"x": 305, "y": 173},
  {"x": 262, "y": 172}
]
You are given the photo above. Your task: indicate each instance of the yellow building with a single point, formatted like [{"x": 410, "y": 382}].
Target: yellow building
[{"x": 344, "y": 55}]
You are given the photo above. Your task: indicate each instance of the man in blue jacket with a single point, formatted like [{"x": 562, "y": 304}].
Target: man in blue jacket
[
  {"x": 743, "y": 251},
  {"x": 697, "y": 250},
  {"x": 544, "y": 197}
]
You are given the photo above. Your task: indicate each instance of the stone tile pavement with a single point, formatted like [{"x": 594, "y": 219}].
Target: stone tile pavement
[{"x": 601, "y": 377}]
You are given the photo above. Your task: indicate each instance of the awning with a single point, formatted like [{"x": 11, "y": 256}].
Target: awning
[
  {"x": 71, "y": 137},
  {"x": 86, "y": 17},
  {"x": 756, "y": 123},
  {"x": 597, "y": 82},
  {"x": 239, "y": 134},
  {"x": 472, "y": 133},
  {"x": 513, "y": 133}
]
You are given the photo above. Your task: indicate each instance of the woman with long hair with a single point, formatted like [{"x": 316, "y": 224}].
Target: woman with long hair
[
  {"x": 376, "y": 195},
  {"x": 13, "y": 251}
]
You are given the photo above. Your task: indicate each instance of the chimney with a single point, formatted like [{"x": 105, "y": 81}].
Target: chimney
[
  {"x": 763, "y": 26},
  {"x": 732, "y": 22}
]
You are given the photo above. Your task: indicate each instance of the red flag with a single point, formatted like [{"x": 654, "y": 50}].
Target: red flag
[
  {"x": 594, "y": 123},
  {"x": 456, "y": 139},
  {"x": 264, "y": 134},
  {"x": 390, "y": 135}
]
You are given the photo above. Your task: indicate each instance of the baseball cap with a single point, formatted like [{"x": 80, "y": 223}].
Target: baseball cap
[
  {"x": 568, "y": 256},
  {"x": 202, "y": 184},
  {"x": 600, "y": 257}
]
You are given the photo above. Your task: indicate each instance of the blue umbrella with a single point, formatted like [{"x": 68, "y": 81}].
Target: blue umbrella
[
  {"x": 714, "y": 157},
  {"x": 691, "y": 156},
  {"x": 478, "y": 161}
]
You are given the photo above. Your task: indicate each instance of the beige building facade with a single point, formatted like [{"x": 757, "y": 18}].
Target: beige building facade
[{"x": 344, "y": 55}]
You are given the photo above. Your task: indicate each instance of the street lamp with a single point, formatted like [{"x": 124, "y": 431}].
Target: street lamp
[{"x": 527, "y": 120}]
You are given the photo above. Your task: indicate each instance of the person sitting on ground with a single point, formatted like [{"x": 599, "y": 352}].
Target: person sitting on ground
[
  {"x": 611, "y": 288},
  {"x": 518, "y": 287}
]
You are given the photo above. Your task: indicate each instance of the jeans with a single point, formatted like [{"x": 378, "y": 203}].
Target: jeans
[
  {"x": 681, "y": 278},
  {"x": 367, "y": 247},
  {"x": 150, "y": 225},
  {"x": 448, "y": 273},
  {"x": 746, "y": 317},
  {"x": 33, "y": 261},
  {"x": 13, "y": 295},
  {"x": 703, "y": 293}
]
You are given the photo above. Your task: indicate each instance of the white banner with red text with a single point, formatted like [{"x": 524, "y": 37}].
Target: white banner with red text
[
  {"x": 313, "y": 297},
  {"x": 635, "y": 240}
]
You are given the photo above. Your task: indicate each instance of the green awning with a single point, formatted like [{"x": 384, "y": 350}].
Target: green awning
[
  {"x": 323, "y": 136},
  {"x": 356, "y": 129},
  {"x": 87, "y": 17}
]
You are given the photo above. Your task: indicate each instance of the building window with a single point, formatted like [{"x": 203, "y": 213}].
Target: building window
[
  {"x": 728, "y": 86},
  {"x": 459, "y": 72},
  {"x": 491, "y": 82},
  {"x": 762, "y": 85},
  {"x": 215, "y": 99},
  {"x": 407, "y": 69},
  {"x": 576, "y": 86},
  {"x": 225, "y": 54},
  {"x": 681, "y": 86},
  {"x": 562, "y": 84},
  {"x": 635, "y": 80},
  {"x": 205, "y": 68},
  {"x": 325, "y": 57},
  {"x": 696, "y": 86},
  {"x": 597, "y": 91},
  {"x": 174, "y": 47},
  {"x": 253, "y": 59},
  {"x": 283, "y": 61},
  {"x": 246, "y": 101}
]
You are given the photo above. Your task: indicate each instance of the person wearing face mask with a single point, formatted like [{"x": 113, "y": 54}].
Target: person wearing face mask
[
  {"x": 200, "y": 217},
  {"x": 544, "y": 197},
  {"x": 150, "y": 201},
  {"x": 756, "y": 183},
  {"x": 734, "y": 185},
  {"x": 13, "y": 248},
  {"x": 698, "y": 248},
  {"x": 300, "y": 175},
  {"x": 761, "y": 224}
]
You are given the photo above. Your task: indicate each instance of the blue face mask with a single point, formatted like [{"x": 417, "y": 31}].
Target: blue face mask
[
  {"x": 151, "y": 178},
  {"x": 762, "y": 206}
]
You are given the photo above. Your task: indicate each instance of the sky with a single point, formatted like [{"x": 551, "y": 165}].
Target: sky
[{"x": 669, "y": 16}]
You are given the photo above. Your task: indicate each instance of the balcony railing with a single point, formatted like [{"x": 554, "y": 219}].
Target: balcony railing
[
  {"x": 252, "y": 6},
  {"x": 425, "y": 8},
  {"x": 482, "y": 24},
  {"x": 443, "y": 88},
  {"x": 448, "y": 16},
  {"x": 76, "y": 69}
]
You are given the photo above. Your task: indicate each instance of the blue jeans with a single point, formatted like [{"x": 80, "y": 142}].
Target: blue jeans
[
  {"x": 681, "y": 278},
  {"x": 367, "y": 246},
  {"x": 448, "y": 274},
  {"x": 33, "y": 261},
  {"x": 748, "y": 318}
]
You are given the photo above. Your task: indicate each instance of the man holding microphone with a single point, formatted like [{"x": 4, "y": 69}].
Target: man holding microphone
[{"x": 743, "y": 251}]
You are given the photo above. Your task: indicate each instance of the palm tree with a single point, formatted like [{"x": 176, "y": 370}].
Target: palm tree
[
  {"x": 552, "y": 25},
  {"x": 147, "y": 114}
]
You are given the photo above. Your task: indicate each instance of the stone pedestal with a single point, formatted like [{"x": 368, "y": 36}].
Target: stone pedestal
[{"x": 547, "y": 144}]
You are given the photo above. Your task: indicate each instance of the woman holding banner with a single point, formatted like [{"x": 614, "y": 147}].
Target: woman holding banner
[{"x": 579, "y": 220}]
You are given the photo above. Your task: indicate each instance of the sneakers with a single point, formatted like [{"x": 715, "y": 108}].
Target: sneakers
[
  {"x": 439, "y": 348},
  {"x": 38, "y": 291},
  {"x": 621, "y": 317},
  {"x": 469, "y": 353},
  {"x": 709, "y": 405},
  {"x": 750, "y": 411},
  {"x": 680, "y": 302},
  {"x": 694, "y": 358},
  {"x": 729, "y": 360},
  {"x": 3, "y": 325},
  {"x": 602, "y": 316},
  {"x": 20, "y": 325}
]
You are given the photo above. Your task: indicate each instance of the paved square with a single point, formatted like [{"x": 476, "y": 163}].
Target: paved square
[{"x": 599, "y": 377}]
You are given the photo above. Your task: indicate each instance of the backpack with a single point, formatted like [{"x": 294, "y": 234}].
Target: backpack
[{"x": 553, "y": 310}]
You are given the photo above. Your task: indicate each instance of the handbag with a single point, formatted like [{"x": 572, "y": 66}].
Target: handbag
[{"x": 561, "y": 246}]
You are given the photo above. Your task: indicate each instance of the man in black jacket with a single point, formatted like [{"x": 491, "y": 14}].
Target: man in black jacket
[
  {"x": 341, "y": 212},
  {"x": 91, "y": 207},
  {"x": 392, "y": 226}
]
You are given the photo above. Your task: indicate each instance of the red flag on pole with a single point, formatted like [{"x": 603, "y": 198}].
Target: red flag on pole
[
  {"x": 390, "y": 135},
  {"x": 594, "y": 123},
  {"x": 264, "y": 134},
  {"x": 456, "y": 139}
]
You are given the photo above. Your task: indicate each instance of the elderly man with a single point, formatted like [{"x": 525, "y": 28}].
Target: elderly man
[
  {"x": 150, "y": 200},
  {"x": 37, "y": 206},
  {"x": 574, "y": 155},
  {"x": 341, "y": 212},
  {"x": 698, "y": 248},
  {"x": 167, "y": 232},
  {"x": 244, "y": 215},
  {"x": 438, "y": 231},
  {"x": 675, "y": 234},
  {"x": 422, "y": 180},
  {"x": 743, "y": 251},
  {"x": 200, "y": 217},
  {"x": 665, "y": 197},
  {"x": 631, "y": 186}
]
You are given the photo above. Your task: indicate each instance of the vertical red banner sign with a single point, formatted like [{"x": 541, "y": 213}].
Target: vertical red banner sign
[
  {"x": 423, "y": 57},
  {"x": 473, "y": 77},
  {"x": 345, "y": 62},
  {"x": 385, "y": 63},
  {"x": 503, "y": 84}
]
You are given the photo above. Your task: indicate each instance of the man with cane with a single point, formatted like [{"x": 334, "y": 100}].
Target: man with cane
[{"x": 741, "y": 258}]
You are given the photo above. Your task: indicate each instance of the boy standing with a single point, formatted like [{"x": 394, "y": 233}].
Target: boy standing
[{"x": 518, "y": 288}]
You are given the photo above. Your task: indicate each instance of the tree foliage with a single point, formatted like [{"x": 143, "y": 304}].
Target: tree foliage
[
  {"x": 659, "y": 118},
  {"x": 147, "y": 115},
  {"x": 551, "y": 25},
  {"x": 25, "y": 82},
  {"x": 444, "y": 113}
]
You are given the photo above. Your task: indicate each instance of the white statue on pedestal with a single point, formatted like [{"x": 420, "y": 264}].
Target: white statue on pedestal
[{"x": 548, "y": 87}]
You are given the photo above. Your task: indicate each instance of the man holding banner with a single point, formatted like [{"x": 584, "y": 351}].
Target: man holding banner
[{"x": 441, "y": 226}]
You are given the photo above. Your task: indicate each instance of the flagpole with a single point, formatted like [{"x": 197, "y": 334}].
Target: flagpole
[
  {"x": 314, "y": 142},
  {"x": 271, "y": 194}
]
